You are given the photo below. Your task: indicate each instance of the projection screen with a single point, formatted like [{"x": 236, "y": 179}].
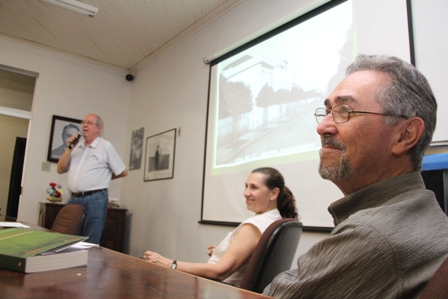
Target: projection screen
[{"x": 263, "y": 95}]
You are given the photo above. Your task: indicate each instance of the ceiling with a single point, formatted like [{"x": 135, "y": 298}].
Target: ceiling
[{"x": 124, "y": 35}]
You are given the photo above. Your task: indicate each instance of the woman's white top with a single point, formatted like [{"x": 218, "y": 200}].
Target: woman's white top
[{"x": 261, "y": 221}]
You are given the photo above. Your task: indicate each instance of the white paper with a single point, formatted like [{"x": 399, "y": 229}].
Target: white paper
[
  {"x": 12, "y": 224},
  {"x": 83, "y": 245}
]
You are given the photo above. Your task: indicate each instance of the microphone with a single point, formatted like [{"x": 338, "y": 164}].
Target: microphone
[{"x": 75, "y": 141}]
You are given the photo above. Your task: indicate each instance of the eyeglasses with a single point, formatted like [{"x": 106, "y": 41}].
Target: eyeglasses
[
  {"x": 341, "y": 114},
  {"x": 89, "y": 122}
]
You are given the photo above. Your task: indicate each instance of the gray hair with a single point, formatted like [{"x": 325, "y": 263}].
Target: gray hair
[
  {"x": 99, "y": 123},
  {"x": 408, "y": 94}
]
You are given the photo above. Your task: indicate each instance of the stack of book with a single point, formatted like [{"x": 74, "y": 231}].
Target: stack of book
[{"x": 30, "y": 251}]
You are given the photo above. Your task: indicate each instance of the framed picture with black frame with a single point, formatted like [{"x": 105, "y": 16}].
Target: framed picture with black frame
[
  {"x": 159, "y": 157},
  {"x": 62, "y": 128}
]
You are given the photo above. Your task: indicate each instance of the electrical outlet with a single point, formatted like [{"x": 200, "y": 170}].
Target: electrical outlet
[{"x": 46, "y": 166}]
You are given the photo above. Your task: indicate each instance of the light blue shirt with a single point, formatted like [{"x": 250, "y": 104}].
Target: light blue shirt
[{"x": 91, "y": 167}]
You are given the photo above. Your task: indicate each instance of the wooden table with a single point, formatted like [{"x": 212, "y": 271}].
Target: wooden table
[{"x": 110, "y": 274}]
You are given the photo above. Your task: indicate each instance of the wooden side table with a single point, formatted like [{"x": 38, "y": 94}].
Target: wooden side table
[{"x": 114, "y": 227}]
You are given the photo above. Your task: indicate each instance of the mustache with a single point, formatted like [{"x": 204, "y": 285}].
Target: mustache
[{"x": 327, "y": 140}]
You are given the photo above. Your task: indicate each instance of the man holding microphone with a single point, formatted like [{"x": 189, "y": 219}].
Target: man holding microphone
[{"x": 91, "y": 164}]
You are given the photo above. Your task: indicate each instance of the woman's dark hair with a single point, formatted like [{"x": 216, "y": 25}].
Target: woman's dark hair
[{"x": 286, "y": 203}]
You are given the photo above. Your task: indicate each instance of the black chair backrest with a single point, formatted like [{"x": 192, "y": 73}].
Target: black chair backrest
[
  {"x": 69, "y": 220},
  {"x": 437, "y": 287},
  {"x": 273, "y": 254}
]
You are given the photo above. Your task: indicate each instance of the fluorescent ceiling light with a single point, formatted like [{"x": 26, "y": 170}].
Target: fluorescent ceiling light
[{"x": 75, "y": 6}]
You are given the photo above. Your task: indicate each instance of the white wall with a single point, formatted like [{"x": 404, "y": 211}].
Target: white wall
[
  {"x": 67, "y": 87},
  {"x": 170, "y": 93}
]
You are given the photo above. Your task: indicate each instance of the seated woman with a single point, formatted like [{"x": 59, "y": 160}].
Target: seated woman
[{"x": 268, "y": 197}]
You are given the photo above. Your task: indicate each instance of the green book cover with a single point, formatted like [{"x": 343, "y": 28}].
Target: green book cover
[{"x": 22, "y": 248}]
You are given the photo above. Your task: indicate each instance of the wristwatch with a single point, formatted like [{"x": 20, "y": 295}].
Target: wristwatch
[{"x": 174, "y": 265}]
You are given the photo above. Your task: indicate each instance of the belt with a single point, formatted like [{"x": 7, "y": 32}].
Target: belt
[{"x": 85, "y": 193}]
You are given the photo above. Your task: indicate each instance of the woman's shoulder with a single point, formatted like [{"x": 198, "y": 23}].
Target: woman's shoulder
[{"x": 262, "y": 221}]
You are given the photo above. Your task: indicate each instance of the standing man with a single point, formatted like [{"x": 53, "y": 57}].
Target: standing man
[
  {"x": 91, "y": 164},
  {"x": 390, "y": 233}
]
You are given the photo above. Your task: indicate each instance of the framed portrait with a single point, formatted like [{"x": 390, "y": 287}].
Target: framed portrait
[
  {"x": 159, "y": 157},
  {"x": 135, "y": 156},
  {"x": 62, "y": 128}
]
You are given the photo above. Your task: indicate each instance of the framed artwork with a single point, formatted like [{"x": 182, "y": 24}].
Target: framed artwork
[
  {"x": 159, "y": 157},
  {"x": 62, "y": 128},
  {"x": 135, "y": 156}
]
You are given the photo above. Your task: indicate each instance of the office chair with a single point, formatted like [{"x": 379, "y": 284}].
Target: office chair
[
  {"x": 437, "y": 287},
  {"x": 69, "y": 220},
  {"x": 273, "y": 254}
]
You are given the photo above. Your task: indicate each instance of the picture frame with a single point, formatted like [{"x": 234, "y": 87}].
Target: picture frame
[
  {"x": 159, "y": 156},
  {"x": 62, "y": 128},
  {"x": 136, "y": 152}
]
